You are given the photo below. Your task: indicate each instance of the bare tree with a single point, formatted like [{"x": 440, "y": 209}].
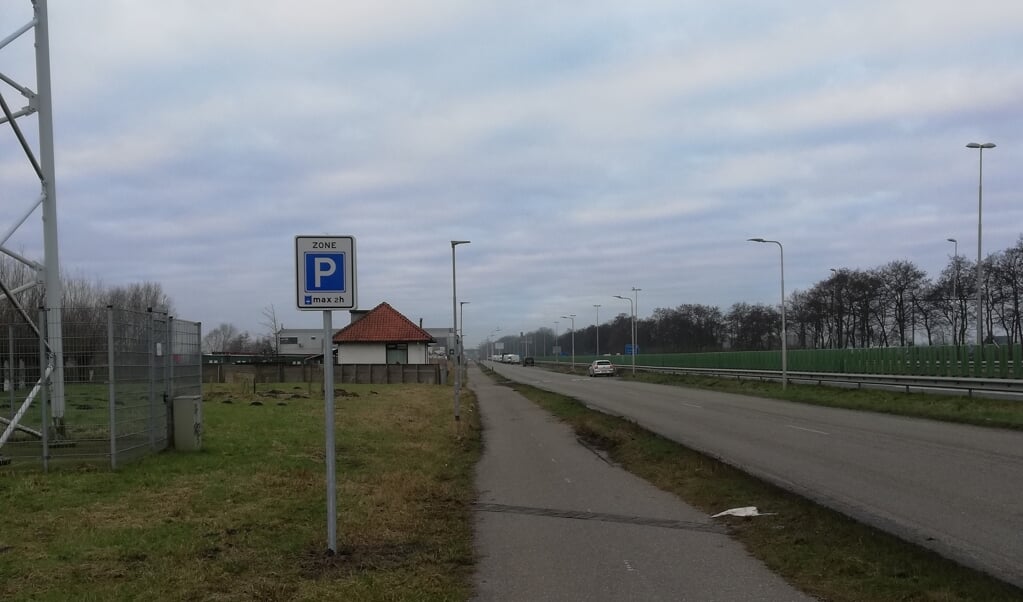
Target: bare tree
[
  {"x": 273, "y": 328},
  {"x": 220, "y": 339}
]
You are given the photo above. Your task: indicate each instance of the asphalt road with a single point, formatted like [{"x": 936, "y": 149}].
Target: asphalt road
[
  {"x": 955, "y": 489},
  {"x": 555, "y": 521}
]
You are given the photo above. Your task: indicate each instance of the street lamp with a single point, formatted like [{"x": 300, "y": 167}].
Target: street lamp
[
  {"x": 635, "y": 322},
  {"x": 461, "y": 324},
  {"x": 572, "y": 317},
  {"x": 980, "y": 204},
  {"x": 597, "y": 307},
  {"x": 454, "y": 331},
  {"x": 632, "y": 310},
  {"x": 784, "y": 349},
  {"x": 955, "y": 287},
  {"x": 557, "y": 355},
  {"x": 490, "y": 356}
]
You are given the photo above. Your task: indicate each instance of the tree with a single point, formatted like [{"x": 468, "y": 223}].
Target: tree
[
  {"x": 901, "y": 282},
  {"x": 220, "y": 339},
  {"x": 273, "y": 328},
  {"x": 754, "y": 327}
]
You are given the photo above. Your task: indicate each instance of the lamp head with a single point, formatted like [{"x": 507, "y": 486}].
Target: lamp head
[
  {"x": 951, "y": 240},
  {"x": 756, "y": 240},
  {"x": 985, "y": 145},
  {"x": 459, "y": 242}
]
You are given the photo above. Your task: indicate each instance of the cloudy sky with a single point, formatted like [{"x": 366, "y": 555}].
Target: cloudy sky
[{"x": 584, "y": 147}]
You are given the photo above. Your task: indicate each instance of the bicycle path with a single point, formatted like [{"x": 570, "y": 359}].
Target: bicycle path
[{"x": 556, "y": 521}]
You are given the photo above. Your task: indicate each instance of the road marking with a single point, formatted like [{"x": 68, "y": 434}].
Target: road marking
[
  {"x": 691, "y": 405},
  {"x": 628, "y": 567},
  {"x": 792, "y": 426},
  {"x": 568, "y": 480}
]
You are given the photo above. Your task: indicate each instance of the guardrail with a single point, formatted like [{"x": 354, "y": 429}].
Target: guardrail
[{"x": 1002, "y": 387}]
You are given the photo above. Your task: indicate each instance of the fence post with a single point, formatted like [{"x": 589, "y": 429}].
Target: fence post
[
  {"x": 150, "y": 353},
  {"x": 111, "y": 380},
  {"x": 10, "y": 365},
  {"x": 168, "y": 355},
  {"x": 43, "y": 391}
]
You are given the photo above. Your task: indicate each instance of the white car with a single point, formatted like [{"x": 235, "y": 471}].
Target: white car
[{"x": 601, "y": 367}]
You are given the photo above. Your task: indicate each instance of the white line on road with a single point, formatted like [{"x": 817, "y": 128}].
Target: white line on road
[
  {"x": 691, "y": 405},
  {"x": 628, "y": 567},
  {"x": 792, "y": 426}
]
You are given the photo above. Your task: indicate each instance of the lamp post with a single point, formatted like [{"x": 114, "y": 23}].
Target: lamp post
[
  {"x": 632, "y": 310},
  {"x": 955, "y": 287},
  {"x": 784, "y": 347},
  {"x": 557, "y": 356},
  {"x": 490, "y": 356},
  {"x": 572, "y": 317},
  {"x": 980, "y": 266},
  {"x": 596, "y": 306},
  {"x": 454, "y": 331},
  {"x": 461, "y": 326},
  {"x": 635, "y": 321}
]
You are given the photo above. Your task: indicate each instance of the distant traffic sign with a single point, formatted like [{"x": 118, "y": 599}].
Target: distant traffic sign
[
  {"x": 325, "y": 272},
  {"x": 630, "y": 350}
]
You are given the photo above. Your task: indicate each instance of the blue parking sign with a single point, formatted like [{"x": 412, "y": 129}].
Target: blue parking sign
[{"x": 325, "y": 272}]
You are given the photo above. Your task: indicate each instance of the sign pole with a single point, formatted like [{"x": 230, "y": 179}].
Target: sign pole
[
  {"x": 328, "y": 411},
  {"x": 325, "y": 280}
]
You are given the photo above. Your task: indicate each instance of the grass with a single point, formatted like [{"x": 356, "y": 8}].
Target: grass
[
  {"x": 977, "y": 411},
  {"x": 950, "y": 408},
  {"x": 816, "y": 549},
  {"x": 245, "y": 519}
]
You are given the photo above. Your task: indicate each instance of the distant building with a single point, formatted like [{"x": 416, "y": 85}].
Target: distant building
[
  {"x": 382, "y": 336},
  {"x": 442, "y": 342},
  {"x": 300, "y": 341}
]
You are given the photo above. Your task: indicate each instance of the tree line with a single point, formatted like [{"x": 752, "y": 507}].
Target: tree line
[
  {"x": 895, "y": 304},
  {"x": 80, "y": 294},
  {"x": 82, "y": 297}
]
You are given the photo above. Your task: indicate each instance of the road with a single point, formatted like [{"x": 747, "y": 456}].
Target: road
[
  {"x": 955, "y": 489},
  {"x": 555, "y": 521}
]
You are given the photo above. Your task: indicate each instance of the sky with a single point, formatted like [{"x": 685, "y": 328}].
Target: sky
[{"x": 584, "y": 148}]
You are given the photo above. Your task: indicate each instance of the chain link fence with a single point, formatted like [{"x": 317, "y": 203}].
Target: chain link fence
[{"x": 122, "y": 369}]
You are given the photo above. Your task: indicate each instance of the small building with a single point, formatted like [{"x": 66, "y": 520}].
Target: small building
[
  {"x": 300, "y": 341},
  {"x": 382, "y": 336}
]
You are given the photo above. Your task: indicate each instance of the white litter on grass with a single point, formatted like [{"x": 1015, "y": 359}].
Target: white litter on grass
[{"x": 747, "y": 511}]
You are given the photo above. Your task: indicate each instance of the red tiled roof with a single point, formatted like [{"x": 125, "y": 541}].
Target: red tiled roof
[{"x": 382, "y": 324}]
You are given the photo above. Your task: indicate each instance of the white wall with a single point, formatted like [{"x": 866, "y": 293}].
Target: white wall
[
  {"x": 376, "y": 353},
  {"x": 362, "y": 353}
]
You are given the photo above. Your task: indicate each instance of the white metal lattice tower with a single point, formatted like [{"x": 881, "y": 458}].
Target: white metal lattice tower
[{"x": 41, "y": 161}]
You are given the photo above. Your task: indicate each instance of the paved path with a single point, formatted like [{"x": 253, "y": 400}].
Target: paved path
[
  {"x": 555, "y": 521},
  {"x": 953, "y": 488}
]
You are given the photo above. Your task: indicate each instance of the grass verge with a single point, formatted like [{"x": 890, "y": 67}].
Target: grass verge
[
  {"x": 949, "y": 408},
  {"x": 245, "y": 519},
  {"x": 816, "y": 549}
]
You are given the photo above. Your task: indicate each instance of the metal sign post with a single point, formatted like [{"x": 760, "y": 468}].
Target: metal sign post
[{"x": 325, "y": 280}]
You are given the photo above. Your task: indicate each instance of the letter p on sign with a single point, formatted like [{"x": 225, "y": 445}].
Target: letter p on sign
[{"x": 325, "y": 272}]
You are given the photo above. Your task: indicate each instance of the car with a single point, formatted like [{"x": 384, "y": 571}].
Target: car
[
  {"x": 601, "y": 367},
  {"x": 528, "y": 361}
]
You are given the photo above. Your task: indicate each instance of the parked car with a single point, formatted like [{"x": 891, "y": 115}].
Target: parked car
[
  {"x": 601, "y": 368},
  {"x": 528, "y": 361}
]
